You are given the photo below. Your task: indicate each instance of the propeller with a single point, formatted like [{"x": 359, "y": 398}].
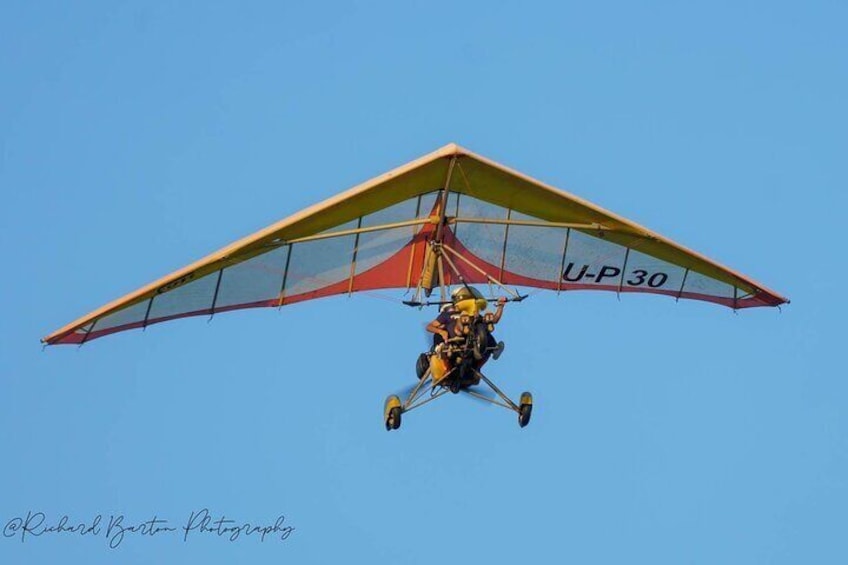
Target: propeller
[{"x": 406, "y": 391}]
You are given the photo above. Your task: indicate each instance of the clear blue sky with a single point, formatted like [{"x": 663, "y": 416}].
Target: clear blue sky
[{"x": 137, "y": 137}]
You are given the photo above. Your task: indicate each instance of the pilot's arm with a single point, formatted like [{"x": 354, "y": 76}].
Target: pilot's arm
[
  {"x": 499, "y": 309},
  {"x": 437, "y": 327}
]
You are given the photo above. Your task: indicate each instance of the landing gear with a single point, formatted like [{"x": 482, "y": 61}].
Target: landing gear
[
  {"x": 462, "y": 378},
  {"x": 525, "y": 409},
  {"x": 391, "y": 412}
]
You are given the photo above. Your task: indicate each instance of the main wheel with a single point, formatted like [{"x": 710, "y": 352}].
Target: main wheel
[
  {"x": 525, "y": 409},
  {"x": 422, "y": 365},
  {"x": 393, "y": 421},
  {"x": 391, "y": 412}
]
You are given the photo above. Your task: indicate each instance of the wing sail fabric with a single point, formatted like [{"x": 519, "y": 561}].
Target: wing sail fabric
[
  {"x": 286, "y": 273},
  {"x": 524, "y": 251},
  {"x": 497, "y": 221}
]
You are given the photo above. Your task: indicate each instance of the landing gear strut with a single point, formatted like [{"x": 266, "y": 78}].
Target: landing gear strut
[{"x": 427, "y": 390}]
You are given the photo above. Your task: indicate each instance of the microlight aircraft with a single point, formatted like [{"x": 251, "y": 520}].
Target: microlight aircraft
[{"x": 447, "y": 220}]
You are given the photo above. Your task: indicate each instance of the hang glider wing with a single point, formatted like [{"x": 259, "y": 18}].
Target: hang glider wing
[{"x": 491, "y": 224}]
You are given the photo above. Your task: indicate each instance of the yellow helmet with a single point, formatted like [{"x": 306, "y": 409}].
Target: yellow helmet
[{"x": 468, "y": 300}]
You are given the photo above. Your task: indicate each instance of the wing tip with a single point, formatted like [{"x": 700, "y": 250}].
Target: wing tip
[{"x": 50, "y": 340}]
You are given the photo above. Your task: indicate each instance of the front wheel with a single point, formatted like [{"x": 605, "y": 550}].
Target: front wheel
[{"x": 479, "y": 341}]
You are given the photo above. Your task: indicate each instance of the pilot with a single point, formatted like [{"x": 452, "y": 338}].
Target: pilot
[{"x": 444, "y": 326}]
